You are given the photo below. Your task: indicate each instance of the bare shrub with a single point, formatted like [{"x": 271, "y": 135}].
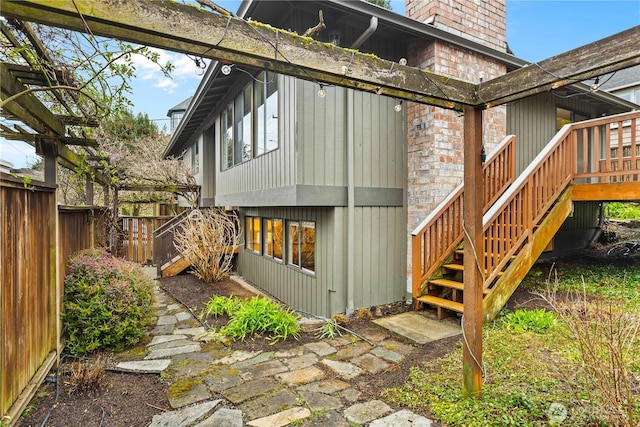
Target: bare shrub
[
  {"x": 605, "y": 337},
  {"x": 87, "y": 374},
  {"x": 208, "y": 241}
]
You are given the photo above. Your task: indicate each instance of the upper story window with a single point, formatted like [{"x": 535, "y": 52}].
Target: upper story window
[
  {"x": 195, "y": 158},
  {"x": 249, "y": 124}
]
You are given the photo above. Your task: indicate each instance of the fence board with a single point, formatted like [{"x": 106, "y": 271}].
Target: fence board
[{"x": 136, "y": 237}]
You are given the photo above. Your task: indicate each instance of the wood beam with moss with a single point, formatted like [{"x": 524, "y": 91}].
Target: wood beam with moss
[{"x": 188, "y": 29}]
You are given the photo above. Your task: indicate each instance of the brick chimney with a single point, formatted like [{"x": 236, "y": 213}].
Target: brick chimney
[{"x": 435, "y": 136}]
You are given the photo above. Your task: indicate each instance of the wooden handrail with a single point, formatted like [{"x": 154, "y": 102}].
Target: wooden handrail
[
  {"x": 436, "y": 236},
  {"x": 600, "y": 150},
  {"x": 511, "y": 220}
]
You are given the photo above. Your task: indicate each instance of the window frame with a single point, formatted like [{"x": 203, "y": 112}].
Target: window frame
[
  {"x": 270, "y": 242},
  {"x": 295, "y": 258},
  {"x": 251, "y": 241}
]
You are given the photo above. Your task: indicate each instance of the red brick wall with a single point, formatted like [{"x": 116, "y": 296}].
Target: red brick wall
[{"x": 435, "y": 136}]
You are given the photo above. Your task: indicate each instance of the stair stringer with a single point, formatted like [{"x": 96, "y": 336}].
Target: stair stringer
[{"x": 509, "y": 281}]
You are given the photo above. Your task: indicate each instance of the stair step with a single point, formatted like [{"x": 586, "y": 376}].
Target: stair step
[
  {"x": 446, "y": 283},
  {"x": 448, "y": 268},
  {"x": 441, "y": 302}
]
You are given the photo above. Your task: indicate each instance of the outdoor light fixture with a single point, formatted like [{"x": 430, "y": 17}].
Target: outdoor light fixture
[
  {"x": 398, "y": 106},
  {"x": 483, "y": 155},
  {"x": 321, "y": 92},
  {"x": 403, "y": 61},
  {"x": 596, "y": 84},
  {"x": 226, "y": 69}
]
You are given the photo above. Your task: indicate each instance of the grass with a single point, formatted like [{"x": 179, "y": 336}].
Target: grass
[{"x": 531, "y": 362}]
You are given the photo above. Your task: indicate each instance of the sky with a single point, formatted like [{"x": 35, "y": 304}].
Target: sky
[{"x": 536, "y": 30}]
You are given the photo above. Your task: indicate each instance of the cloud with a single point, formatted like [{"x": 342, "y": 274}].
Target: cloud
[{"x": 184, "y": 71}]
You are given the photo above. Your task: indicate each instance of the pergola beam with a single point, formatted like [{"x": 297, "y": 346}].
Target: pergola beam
[
  {"x": 183, "y": 28},
  {"x": 604, "y": 56}
]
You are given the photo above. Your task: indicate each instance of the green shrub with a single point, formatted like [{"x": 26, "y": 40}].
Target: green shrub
[
  {"x": 537, "y": 320},
  {"x": 219, "y": 306},
  {"x": 259, "y": 316},
  {"x": 107, "y": 303},
  {"x": 619, "y": 210}
]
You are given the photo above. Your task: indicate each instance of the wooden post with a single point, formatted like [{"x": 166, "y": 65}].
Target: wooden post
[
  {"x": 473, "y": 254},
  {"x": 88, "y": 190}
]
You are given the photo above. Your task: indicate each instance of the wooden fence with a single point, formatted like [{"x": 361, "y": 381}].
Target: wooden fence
[
  {"x": 136, "y": 237},
  {"x": 33, "y": 261},
  {"x": 29, "y": 306}
]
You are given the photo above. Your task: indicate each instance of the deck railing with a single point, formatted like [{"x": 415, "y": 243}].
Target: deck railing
[
  {"x": 435, "y": 238},
  {"x": 136, "y": 237},
  {"x": 604, "y": 150},
  {"x": 163, "y": 249}
]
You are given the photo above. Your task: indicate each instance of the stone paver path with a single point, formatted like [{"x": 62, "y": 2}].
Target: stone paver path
[{"x": 213, "y": 385}]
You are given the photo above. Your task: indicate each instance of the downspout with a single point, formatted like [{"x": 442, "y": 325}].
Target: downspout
[
  {"x": 598, "y": 231},
  {"x": 351, "y": 190}
]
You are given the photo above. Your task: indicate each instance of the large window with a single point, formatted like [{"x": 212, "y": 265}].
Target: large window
[
  {"x": 249, "y": 123},
  {"x": 302, "y": 245},
  {"x": 266, "y": 96},
  {"x": 273, "y": 238},
  {"x": 253, "y": 234}
]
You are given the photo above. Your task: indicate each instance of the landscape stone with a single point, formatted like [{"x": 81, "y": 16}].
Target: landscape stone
[
  {"x": 222, "y": 377},
  {"x": 329, "y": 418},
  {"x": 189, "y": 368},
  {"x": 262, "y": 357},
  {"x": 292, "y": 352},
  {"x": 190, "y": 331},
  {"x": 159, "y": 339},
  {"x": 350, "y": 395},
  {"x": 371, "y": 363},
  {"x": 396, "y": 346},
  {"x": 328, "y": 386},
  {"x": 167, "y": 320},
  {"x": 236, "y": 356},
  {"x": 198, "y": 393},
  {"x": 352, "y": 350},
  {"x": 301, "y": 376},
  {"x": 300, "y": 362},
  {"x": 387, "y": 354},
  {"x": 162, "y": 330},
  {"x": 418, "y": 328},
  {"x": 169, "y": 344},
  {"x": 374, "y": 333},
  {"x": 364, "y": 412},
  {"x": 183, "y": 315},
  {"x": 320, "y": 348},
  {"x": 168, "y": 352},
  {"x": 223, "y": 417},
  {"x": 268, "y": 404},
  {"x": 282, "y": 418},
  {"x": 184, "y": 416},
  {"x": 402, "y": 418},
  {"x": 345, "y": 370},
  {"x": 250, "y": 389},
  {"x": 145, "y": 366},
  {"x": 320, "y": 401},
  {"x": 174, "y": 306},
  {"x": 263, "y": 369}
]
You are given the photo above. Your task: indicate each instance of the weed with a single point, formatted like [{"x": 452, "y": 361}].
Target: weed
[
  {"x": 340, "y": 319},
  {"x": 537, "y": 320},
  {"x": 363, "y": 314},
  {"x": 87, "y": 374},
  {"x": 330, "y": 329}
]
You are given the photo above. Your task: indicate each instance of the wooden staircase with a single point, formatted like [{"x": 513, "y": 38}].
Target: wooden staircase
[
  {"x": 522, "y": 217},
  {"x": 166, "y": 258}
]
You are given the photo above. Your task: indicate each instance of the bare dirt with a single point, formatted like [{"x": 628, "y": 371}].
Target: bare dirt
[{"x": 132, "y": 400}]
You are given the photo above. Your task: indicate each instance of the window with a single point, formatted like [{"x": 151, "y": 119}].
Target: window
[
  {"x": 253, "y": 234},
  {"x": 245, "y": 134},
  {"x": 266, "y": 96},
  {"x": 195, "y": 158},
  {"x": 227, "y": 137},
  {"x": 302, "y": 245},
  {"x": 273, "y": 238}
]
